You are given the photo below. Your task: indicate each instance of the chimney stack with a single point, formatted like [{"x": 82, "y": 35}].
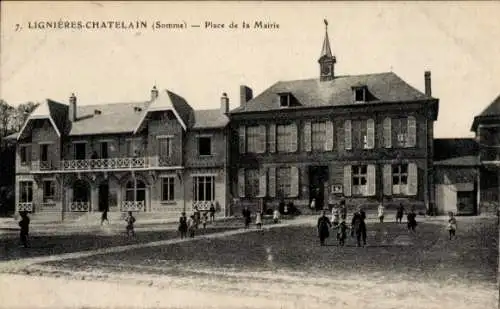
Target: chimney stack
[
  {"x": 224, "y": 104},
  {"x": 246, "y": 94},
  {"x": 154, "y": 93},
  {"x": 72, "y": 108},
  {"x": 428, "y": 89}
]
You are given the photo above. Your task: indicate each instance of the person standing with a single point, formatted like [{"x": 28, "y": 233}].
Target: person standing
[
  {"x": 343, "y": 210},
  {"x": 212, "y": 212},
  {"x": 191, "y": 225},
  {"x": 204, "y": 220},
  {"x": 313, "y": 204},
  {"x": 324, "y": 226},
  {"x": 24, "y": 224},
  {"x": 399, "y": 213},
  {"x": 276, "y": 216},
  {"x": 359, "y": 226},
  {"x": 104, "y": 216},
  {"x": 412, "y": 220},
  {"x": 183, "y": 227},
  {"x": 130, "y": 224},
  {"x": 258, "y": 219},
  {"x": 452, "y": 225},
  {"x": 197, "y": 216},
  {"x": 246, "y": 216},
  {"x": 342, "y": 233},
  {"x": 381, "y": 212},
  {"x": 335, "y": 215}
]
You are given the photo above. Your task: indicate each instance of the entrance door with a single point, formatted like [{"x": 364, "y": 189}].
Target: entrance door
[
  {"x": 104, "y": 150},
  {"x": 318, "y": 177},
  {"x": 80, "y": 151},
  {"x": 103, "y": 197}
]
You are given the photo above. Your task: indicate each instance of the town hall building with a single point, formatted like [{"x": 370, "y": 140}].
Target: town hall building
[{"x": 358, "y": 138}]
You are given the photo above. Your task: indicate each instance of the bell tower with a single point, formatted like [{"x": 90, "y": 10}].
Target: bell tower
[{"x": 326, "y": 59}]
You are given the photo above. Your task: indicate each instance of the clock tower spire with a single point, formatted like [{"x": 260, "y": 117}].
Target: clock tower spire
[{"x": 326, "y": 59}]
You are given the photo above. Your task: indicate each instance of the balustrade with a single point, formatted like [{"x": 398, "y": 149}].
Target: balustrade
[
  {"x": 203, "y": 205},
  {"x": 26, "y": 206},
  {"x": 78, "y": 206},
  {"x": 133, "y": 205},
  {"x": 105, "y": 164}
]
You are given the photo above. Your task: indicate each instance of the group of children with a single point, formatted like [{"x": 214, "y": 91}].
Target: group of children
[
  {"x": 247, "y": 217},
  {"x": 189, "y": 225}
]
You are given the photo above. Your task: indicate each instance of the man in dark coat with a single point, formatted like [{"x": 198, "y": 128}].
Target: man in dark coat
[
  {"x": 324, "y": 226},
  {"x": 24, "y": 224},
  {"x": 246, "y": 216},
  {"x": 359, "y": 226}
]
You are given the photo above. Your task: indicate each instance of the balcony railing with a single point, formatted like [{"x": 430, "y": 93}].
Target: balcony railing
[
  {"x": 25, "y": 206},
  {"x": 490, "y": 155},
  {"x": 42, "y": 165},
  {"x": 132, "y": 206},
  {"x": 104, "y": 164},
  {"x": 203, "y": 205},
  {"x": 79, "y": 206}
]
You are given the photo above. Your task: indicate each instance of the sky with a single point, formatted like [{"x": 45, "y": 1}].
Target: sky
[{"x": 456, "y": 41}]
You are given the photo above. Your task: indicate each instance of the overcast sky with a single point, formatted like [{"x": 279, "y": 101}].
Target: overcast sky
[{"x": 457, "y": 41}]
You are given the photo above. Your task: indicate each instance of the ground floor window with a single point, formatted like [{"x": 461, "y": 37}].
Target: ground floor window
[
  {"x": 204, "y": 188},
  {"x": 25, "y": 192},
  {"x": 251, "y": 182},
  {"x": 359, "y": 179},
  {"x": 81, "y": 191},
  {"x": 135, "y": 191},
  {"x": 167, "y": 189},
  {"x": 283, "y": 180},
  {"x": 49, "y": 189},
  {"x": 399, "y": 179}
]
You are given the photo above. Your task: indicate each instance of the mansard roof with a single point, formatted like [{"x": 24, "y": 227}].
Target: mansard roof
[
  {"x": 489, "y": 113},
  {"x": 382, "y": 88}
]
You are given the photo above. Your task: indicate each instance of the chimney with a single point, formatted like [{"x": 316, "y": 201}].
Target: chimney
[
  {"x": 427, "y": 77},
  {"x": 72, "y": 108},
  {"x": 246, "y": 94},
  {"x": 154, "y": 93},
  {"x": 224, "y": 104}
]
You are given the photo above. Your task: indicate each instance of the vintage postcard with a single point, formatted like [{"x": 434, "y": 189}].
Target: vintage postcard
[{"x": 282, "y": 154}]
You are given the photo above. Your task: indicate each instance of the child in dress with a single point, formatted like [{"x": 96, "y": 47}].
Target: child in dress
[
  {"x": 276, "y": 216},
  {"x": 342, "y": 233},
  {"x": 452, "y": 225},
  {"x": 204, "y": 220},
  {"x": 258, "y": 219},
  {"x": 191, "y": 226},
  {"x": 130, "y": 224}
]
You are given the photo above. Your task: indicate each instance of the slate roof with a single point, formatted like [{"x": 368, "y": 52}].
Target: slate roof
[
  {"x": 382, "y": 88},
  {"x": 54, "y": 111},
  {"x": 456, "y": 152},
  {"x": 492, "y": 111},
  {"x": 209, "y": 119}
]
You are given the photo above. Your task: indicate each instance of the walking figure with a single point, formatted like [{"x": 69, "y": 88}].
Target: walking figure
[
  {"x": 183, "y": 226},
  {"x": 24, "y": 224},
  {"x": 204, "y": 220},
  {"x": 258, "y": 219},
  {"x": 412, "y": 220},
  {"x": 341, "y": 233},
  {"x": 343, "y": 210},
  {"x": 399, "y": 213},
  {"x": 452, "y": 225},
  {"x": 130, "y": 224},
  {"x": 381, "y": 212},
  {"x": 324, "y": 226},
  {"x": 191, "y": 226},
  {"x": 246, "y": 216},
  {"x": 276, "y": 216},
  {"x": 359, "y": 226},
  {"x": 212, "y": 212},
  {"x": 197, "y": 217},
  {"x": 104, "y": 216}
]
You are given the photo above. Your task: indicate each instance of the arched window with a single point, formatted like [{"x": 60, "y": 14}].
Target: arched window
[{"x": 137, "y": 193}]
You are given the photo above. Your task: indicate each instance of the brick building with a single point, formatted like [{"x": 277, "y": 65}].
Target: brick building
[
  {"x": 360, "y": 138},
  {"x": 486, "y": 126},
  {"x": 156, "y": 156}
]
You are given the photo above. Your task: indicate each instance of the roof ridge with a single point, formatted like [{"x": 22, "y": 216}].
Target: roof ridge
[{"x": 113, "y": 103}]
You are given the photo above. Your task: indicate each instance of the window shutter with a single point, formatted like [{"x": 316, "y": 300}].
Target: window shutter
[
  {"x": 347, "y": 180},
  {"x": 370, "y": 132},
  {"x": 272, "y": 137},
  {"x": 371, "y": 179},
  {"x": 294, "y": 181},
  {"x": 307, "y": 136},
  {"x": 241, "y": 182},
  {"x": 329, "y": 136},
  {"x": 293, "y": 137},
  {"x": 348, "y": 135},
  {"x": 412, "y": 132},
  {"x": 387, "y": 179},
  {"x": 387, "y": 133},
  {"x": 262, "y": 139},
  {"x": 262, "y": 182},
  {"x": 412, "y": 179},
  {"x": 243, "y": 141},
  {"x": 272, "y": 181}
]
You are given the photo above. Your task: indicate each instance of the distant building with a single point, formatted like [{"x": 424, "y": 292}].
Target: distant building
[
  {"x": 155, "y": 156},
  {"x": 359, "y": 138},
  {"x": 486, "y": 126}
]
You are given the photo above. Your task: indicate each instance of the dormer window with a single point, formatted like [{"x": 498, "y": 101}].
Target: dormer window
[
  {"x": 359, "y": 94},
  {"x": 285, "y": 99}
]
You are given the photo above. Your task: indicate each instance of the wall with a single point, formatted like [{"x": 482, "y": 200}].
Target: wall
[{"x": 218, "y": 157}]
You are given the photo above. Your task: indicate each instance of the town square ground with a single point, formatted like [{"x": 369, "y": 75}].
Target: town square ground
[{"x": 227, "y": 266}]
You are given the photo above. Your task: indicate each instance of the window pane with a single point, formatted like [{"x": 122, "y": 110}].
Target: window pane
[
  {"x": 252, "y": 138},
  {"x": 404, "y": 180},
  {"x": 404, "y": 168},
  {"x": 318, "y": 132},
  {"x": 204, "y": 146},
  {"x": 395, "y": 180},
  {"x": 283, "y": 137},
  {"x": 363, "y": 169}
]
